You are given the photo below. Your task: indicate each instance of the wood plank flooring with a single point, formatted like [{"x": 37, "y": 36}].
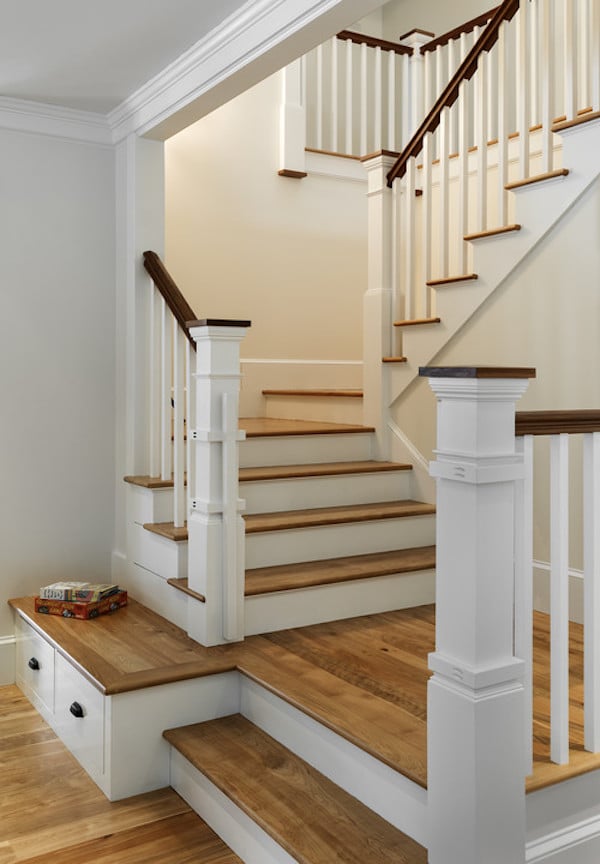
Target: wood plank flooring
[{"x": 52, "y": 813}]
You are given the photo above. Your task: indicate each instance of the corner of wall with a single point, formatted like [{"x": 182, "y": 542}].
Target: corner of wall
[{"x": 7, "y": 660}]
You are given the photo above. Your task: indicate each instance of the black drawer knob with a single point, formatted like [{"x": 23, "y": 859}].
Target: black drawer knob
[
  {"x": 33, "y": 663},
  {"x": 76, "y": 710}
]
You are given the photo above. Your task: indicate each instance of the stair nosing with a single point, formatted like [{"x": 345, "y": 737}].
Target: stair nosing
[{"x": 291, "y": 520}]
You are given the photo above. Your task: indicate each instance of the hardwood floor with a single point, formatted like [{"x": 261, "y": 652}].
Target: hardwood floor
[{"x": 52, "y": 813}]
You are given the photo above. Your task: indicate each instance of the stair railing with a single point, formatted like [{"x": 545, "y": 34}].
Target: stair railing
[
  {"x": 171, "y": 402},
  {"x": 553, "y": 489}
]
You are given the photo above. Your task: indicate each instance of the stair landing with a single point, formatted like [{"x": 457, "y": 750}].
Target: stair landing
[{"x": 365, "y": 678}]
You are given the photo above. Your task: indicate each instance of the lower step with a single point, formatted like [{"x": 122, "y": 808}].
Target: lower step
[{"x": 270, "y": 806}]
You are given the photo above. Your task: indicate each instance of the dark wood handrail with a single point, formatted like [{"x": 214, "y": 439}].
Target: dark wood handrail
[
  {"x": 374, "y": 42},
  {"x": 467, "y": 27},
  {"x": 557, "y": 422},
  {"x": 448, "y": 97},
  {"x": 173, "y": 297}
]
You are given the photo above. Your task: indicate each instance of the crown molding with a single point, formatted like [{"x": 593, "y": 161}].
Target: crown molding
[
  {"x": 38, "y": 118},
  {"x": 165, "y": 104}
]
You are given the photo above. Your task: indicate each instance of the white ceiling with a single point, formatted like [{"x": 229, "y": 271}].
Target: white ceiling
[{"x": 92, "y": 55}]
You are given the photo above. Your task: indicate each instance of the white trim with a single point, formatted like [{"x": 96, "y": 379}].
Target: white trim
[
  {"x": 541, "y": 590},
  {"x": 7, "y": 659},
  {"x": 278, "y": 361},
  {"x": 545, "y": 565},
  {"x": 20, "y": 115},
  {"x": 336, "y": 167},
  {"x": 243, "y": 38},
  {"x": 563, "y": 839}
]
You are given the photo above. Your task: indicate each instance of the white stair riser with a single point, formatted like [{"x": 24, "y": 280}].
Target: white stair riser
[
  {"x": 149, "y": 505},
  {"x": 395, "y": 798},
  {"x": 269, "y": 496},
  {"x": 153, "y": 591},
  {"x": 334, "y": 409},
  {"x": 158, "y": 554},
  {"x": 236, "y": 829},
  {"x": 302, "y": 449},
  {"x": 280, "y": 610},
  {"x": 331, "y": 541}
]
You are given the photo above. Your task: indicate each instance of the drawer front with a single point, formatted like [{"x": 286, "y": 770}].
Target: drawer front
[
  {"x": 35, "y": 667},
  {"x": 79, "y": 717}
]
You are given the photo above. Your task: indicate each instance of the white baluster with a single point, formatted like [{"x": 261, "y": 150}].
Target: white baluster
[
  {"x": 166, "y": 412},
  {"x": 570, "y": 59},
  {"x": 533, "y": 48},
  {"x": 179, "y": 508},
  {"x": 546, "y": 9},
  {"x": 481, "y": 142},
  {"x": 190, "y": 413},
  {"x": 377, "y": 101},
  {"x": 583, "y": 19},
  {"x": 391, "y": 106},
  {"x": 523, "y": 89},
  {"x": 292, "y": 118},
  {"x": 364, "y": 92},
  {"x": 154, "y": 396},
  {"x": 349, "y": 97},
  {"x": 463, "y": 177},
  {"x": 452, "y": 118},
  {"x": 233, "y": 525},
  {"x": 426, "y": 211},
  {"x": 591, "y": 588},
  {"x": 334, "y": 95},
  {"x": 524, "y": 585},
  {"x": 559, "y": 598},
  {"x": 444, "y": 196},
  {"x": 502, "y": 72},
  {"x": 595, "y": 54},
  {"x": 319, "y": 100},
  {"x": 408, "y": 222}
]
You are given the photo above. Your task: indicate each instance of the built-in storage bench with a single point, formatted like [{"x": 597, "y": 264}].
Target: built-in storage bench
[{"x": 109, "y": 687}]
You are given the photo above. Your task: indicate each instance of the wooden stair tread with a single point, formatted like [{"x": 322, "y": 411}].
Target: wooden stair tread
[
  {"x": 167, "y": 530},
  {"x": 492, "y": 232},
  {"x": 292, "y": 519},
  {"x": 585, "y": 117},
  {"x": 268, "y": 427},
  {"x": 538, "y": 178},
  {"x": 284, "y": 577},
  {"x": 394, "y": 359},
  {"x": 450, "y": 280},
  {"x": 323, "y": 469},
  {"x": 350, "y": 394},
  {"x": 183, "y": 585},
  {"x": 314, "y": 820},
  {"x": 411, "y": 322}
]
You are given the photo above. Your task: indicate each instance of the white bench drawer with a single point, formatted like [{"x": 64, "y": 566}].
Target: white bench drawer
[
  {"x": 35, "y": 667},
  {"x": 79, "y": 717}
]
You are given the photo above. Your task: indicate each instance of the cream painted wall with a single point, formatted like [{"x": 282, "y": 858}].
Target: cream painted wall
[
  {"x": 56, "y": 363},
  {"x": 547, "y": 315},
  {"x": 242, "y": 242},
  {"x": 436, "y": 16}
]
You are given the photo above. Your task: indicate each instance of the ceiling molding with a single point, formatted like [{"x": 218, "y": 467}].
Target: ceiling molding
[
  {"x": 165, "y": 104},
  {"x": 38, "y": 118}
]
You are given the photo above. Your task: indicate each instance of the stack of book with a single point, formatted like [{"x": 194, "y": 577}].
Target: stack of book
[{"x": 79, "y": 599}]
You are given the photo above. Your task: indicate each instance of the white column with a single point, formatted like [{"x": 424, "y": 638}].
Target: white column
[
  {"x": 377, "y": 306},
  {"x": 476, "y": 729},
  {"x": 415, "y": 40},
  {"x": 292, "y": 121},
  {"x": 215, "y": 524}
]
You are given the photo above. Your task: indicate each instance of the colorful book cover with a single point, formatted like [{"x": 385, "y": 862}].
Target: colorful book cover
[
  {"x": 81, "y": 591},
  {"x": 83, "y": 610}
]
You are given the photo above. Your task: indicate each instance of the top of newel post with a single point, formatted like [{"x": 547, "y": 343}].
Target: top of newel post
[
  {"x": 497, "y": 372},
  {"x": 217, "y": 322}
]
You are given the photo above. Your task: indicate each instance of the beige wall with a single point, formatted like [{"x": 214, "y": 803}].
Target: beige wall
[
  {"x": 437, "y": 16},
  {"x": 243, "y": 242}
]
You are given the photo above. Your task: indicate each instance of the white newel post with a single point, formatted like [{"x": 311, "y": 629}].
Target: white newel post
[
  {"x": 476, "y": 725},
  {"x": 416, "y": 110},
  {"x": 215, "y": 523},
  {"x": 377, "y": 304},
  {"x": 292, "y": 121}
]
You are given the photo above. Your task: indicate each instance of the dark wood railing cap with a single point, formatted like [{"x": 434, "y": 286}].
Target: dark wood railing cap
[
  {"x": 393, "y": 154},
  {"x": 217, "y": 322},
  {"x": 467, "y": 27},
  {"x": 476, "y": 372},
  {"x": 373, "y": 42},
  {"x": 557, "y": 422},
  {"x": 417, "y": 30}
]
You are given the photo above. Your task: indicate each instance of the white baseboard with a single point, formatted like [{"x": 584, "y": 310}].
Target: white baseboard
[
  {"x": 7, "y": 660},
  {"x": 541, "y": 590},
  {"x": 576, "y": 844}
]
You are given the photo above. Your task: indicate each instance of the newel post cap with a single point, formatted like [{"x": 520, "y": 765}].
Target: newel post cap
[{"x": 481, "y": 372}]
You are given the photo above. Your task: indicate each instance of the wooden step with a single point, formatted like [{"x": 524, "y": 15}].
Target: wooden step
[
  {"x": 412, "y": 322},
  {"x": 585, "y": 117},
  {"x": 310, "y": 817},
  {"x": 492, "y": 232},
  {"x": 182, "y": 585},
  {"x": 538, "y": 178},
  {"x": 326, "y": 394},
  {"x": 325, "y": 469},
  {"x": 394, "y": 359},
  {"x": 320, "y": 516},
  {"x": 285, "y": 577},
  {"x": 450, "y": 280},
  {"x": 272, "y": 427}
]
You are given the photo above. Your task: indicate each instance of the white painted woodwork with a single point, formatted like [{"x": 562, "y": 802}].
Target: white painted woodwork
[
  {"x": 390, "y": 142},
  {"x": 547, "y": 112},
  {"x": 417, "y": 93},
  {"x": 334, "y": 94},
  {"x": 179, "y": 444},
  {"x": 408, "y": 222},
  {"x": 215, "y": 525},
  {"x": 591, "y": 588},
  {"x": 364, "y": 100},
  {"x": 481, "y": 139},
  {"x": 570, "y": 58},
  {"x": 292, "y": 119},
  {"x": 476, "y": 692},
  {"x": 190, "y": 411},
  {"x": 156, "y": 553},
  {"x": 444, "y": 194},
  {"x": 559, "y": 598},
  {"x": 166, "y": 414},
  {"x": 154, "y": 411},
  {"x": 523, "y": 93},
  {"x": 319, "y": 100},
  {"x": 290, "y": 449},
  {"x": 338, "y": 409},
  {"x": 349, "y": 97},
  {"x": 524, "y": 585}
]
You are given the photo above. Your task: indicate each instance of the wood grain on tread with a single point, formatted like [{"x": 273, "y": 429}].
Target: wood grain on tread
[
  {"x": 182, "y": 585},
  {"x": 450, "y": 280},
  {"x": 314, "y": 820},
  {"x": 348, "y": 394},
  {"x": 322, "y": 469},
  {"x": 411, "y": 322},
  {"x": 584, "y": 117},
  {"x": 492, "y": 232},
  {"x": 394, "y": 359},
  {"x": 283, "y": 577},
  {"x": 289, "y": 519},
  {"x": 268, "y": 427},
  {"x": 538, "y": 178},
  {"x": 168, "y": 530},
  {"x": 148, "y": 482}
]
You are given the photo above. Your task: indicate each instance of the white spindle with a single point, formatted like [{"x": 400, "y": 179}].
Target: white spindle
[
  {"x": 405, "y": 100},
  {"x": 452, "y": 119},
  {"x": 570, "y": 59},
  {"x": 349, "y": 97},
  {"x": 334, "y": 95},
  {"x": 364, "y": 92},
  {"x": 377, "y": 100},
  {"x": 154, "y": 404},
  {"x": 444, "y": 203},
  {"x": 533, "y": 46},
  {"x": 591, "y": 588},
  {"x": 559, "y": 598},
  {"x": 481, "y": 143},
  {"x": 190, "y": 413},
  {"x": 426, "y": 212},
  {"x": 233, "y": 549},
  {"x": 166, "y": 413},
  {"x": 391, "y": 100},
  {"x": 546, "y": 9},
  {"x": 583, "y": 19},
  {"x": 319, "y": 100},
  {"x": 595, "y": 55},
  {"x": 523, "y": 94},
  {"x": 524, "y": 584},
  {"x": 502, "y": 69},
  {"x": 463, "y": 177},
  {"x": 428, "y": 76},
  {"x": 408, "y": 222},
  {"x": 179, "y": 509}
]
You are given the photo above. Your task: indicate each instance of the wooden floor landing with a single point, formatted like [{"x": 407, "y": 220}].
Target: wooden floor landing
[{"x": 365, "y": 678}]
